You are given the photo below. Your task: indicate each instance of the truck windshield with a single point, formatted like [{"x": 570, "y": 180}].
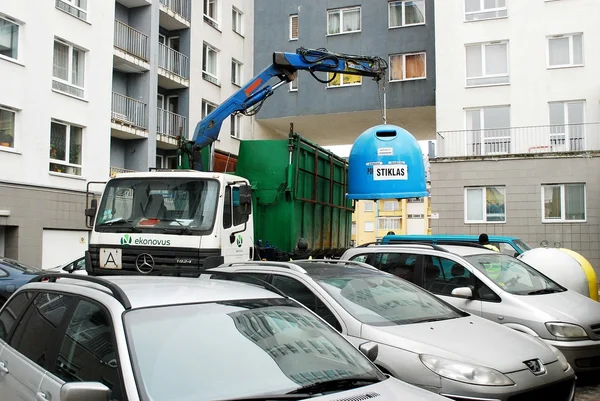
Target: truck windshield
[{"x": 161, "y": 205}]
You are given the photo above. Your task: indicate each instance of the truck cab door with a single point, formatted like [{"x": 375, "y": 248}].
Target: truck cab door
[{"x": 237, "y": 242}]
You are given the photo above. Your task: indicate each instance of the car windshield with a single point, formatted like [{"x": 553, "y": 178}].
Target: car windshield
[
  {"x": 20, "y": 266},
  {"x": 524, "y": 246},
  {"x": 513, "y": 275},
  {"x": 229, "y": 349},
  {"x": 385, "y": 300},
  {"x": 158, "y": 205}
]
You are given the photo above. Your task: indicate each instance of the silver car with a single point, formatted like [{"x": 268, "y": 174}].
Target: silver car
[
  {"x": 133, "y": 338},
  {"x": 421, "y": 339},
  {"x": 500, "y": 288}
]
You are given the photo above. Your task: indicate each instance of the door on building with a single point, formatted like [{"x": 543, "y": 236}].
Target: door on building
[
  {"x": 2, "y": 240},
  {"x": 62, "y": 246}
]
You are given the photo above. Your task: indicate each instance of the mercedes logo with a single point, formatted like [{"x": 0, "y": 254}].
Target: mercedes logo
[{"x": 144, "y": 263}]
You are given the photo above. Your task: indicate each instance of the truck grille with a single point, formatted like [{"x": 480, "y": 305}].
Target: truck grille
[{"x": 167, "y": 261}]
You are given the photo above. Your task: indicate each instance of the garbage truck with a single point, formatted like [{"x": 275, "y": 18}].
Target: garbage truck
[{"x": 286, "y": 199}]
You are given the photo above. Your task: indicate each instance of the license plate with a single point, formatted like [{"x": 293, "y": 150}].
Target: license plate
[{"x": 110, "y": 258}]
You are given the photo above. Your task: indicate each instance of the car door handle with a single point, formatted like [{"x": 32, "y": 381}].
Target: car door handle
[
  {"x": 3, "y": 368},
  {"x": 41, "y": 396}
]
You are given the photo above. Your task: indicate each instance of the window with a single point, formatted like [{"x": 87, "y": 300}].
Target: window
[
  {"x": 487, "y": 64},
  {"x": 369, "y": 206},
  {"x": 9, "y": 38},
  {"x": 565, "y": 50},
  {"x": 87, "y": 350},
  {"x": 209, "y": 64},
  {"x": 567, "y": 131},
  {"x": 485, "y": 205},
  {"x": 406, "y": 13},
  {"x": 369, "y": 226},
  {"x": 12, "y": 312},
  {"x": 36, "y": 332},
  {"x": 68, "y": 69},
  {"x": 7, "y": 127},
  {"x": 236, "y": 121},
  {"x": 344, "y": 20},
  {"x": 236, "y": 20},
  {"x": 488, "y": 130},
  {"x": 391, "y": 206},
  {"x": 405, "y": 67},
  {"x": 485, "y": 9},
  {"x": 563, "y": 202},
  {"x": 399, "y": 264},
  {"x": 360, "y": 258},
  {"x": 207, "y": 108},
  {"x": 238, "y": 216},
  {"x": 65, "y": 148},
  {"x": 388, "y": 223},
  {"x": 294, "y": 27},
  {"x": 227, "y": 219},
  {"x": 236, "y": 72},
  {"x": 211, "y": 12},
  {"x": 77, "y": 8},
  {"x": 294, "y": 84},
  {"x": 337, "y": 80},
  {"x": 353, "y": 228}
]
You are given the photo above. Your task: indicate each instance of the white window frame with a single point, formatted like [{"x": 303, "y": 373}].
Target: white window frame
[
  {"x": 341, "y": 12},
  {"x": 68, "y": 82},
  {"x": 342, "y": 84},
  {"x": 66, "y": 163},
  {"x": 71, "y": 3},
  {"x": 292, "y": 17},
  {"x": 394, "y": 208},
  {"x": 483, "y": 190},
  {"x": 371, "y": 224},
  {"x": 205, "y": 106},
  {"x": 563, "y": 203},
  {"x": 214, "y": 20},
  {"x": 354, "y": 228},
  {"x": 237, "y": 79},
  {"x": 568, "y": 128},
  {"x": 571, "y": 63},
  {"x": 499, "y": 11},
  {"x": 369, "y": 206},
  {"x": 238, "y": 17},
  {"x": 19, "y": 25},
  {"x": 404, "y": 55},
  {"x": 162, "y": 161},
  {"x": 483, "y": 140},
  {"x": 235, "y": 130},
  {"x": 381, "y": 223},
  {"x": 483, "y": 59},
  {"x": 403, "y": 23},
  {"x": 294, "y": 88},
  {"x": 15, "y": 112},
  {"x": 206, "y": 48}
]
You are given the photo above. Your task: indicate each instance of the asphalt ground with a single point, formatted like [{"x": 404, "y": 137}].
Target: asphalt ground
[{"x": 588, "y": 387}]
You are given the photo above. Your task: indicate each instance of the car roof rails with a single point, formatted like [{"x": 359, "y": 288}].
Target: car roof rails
[
  {"x": 287, "y": 265},
  {"x": 262, "y": 283},
  {"x": 413, "y": 244},
  {"x": 338, "y": 262},
  {"x": 462, "y": 243},
  {"x": 116, "y": 291}
]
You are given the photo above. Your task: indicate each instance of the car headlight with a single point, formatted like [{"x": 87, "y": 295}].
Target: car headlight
[
  {"x": 465, "y": 372},
  {"x": 566, "y": 330},
  {"x": 564, "y": 364}
]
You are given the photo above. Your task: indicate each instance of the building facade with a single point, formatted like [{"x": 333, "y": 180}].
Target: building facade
[
  {"x": 336, "y": 113},
  {"x": 518, "y": 121},
  {"x": 99, "y": 88}
]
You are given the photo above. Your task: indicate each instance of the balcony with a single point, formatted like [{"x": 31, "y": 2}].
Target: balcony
[
  {"x": 543, "y": 139},
  {"x": 173, "y": 68},
  {"x": 129, "y": 119},
  {"x": 169, "y": 126},
  {"x": 130, "y": 49},
  {"x": 175, "y": 14},
  {"x": 134, "y": 3},
  {"x": 118, "y": 170}
]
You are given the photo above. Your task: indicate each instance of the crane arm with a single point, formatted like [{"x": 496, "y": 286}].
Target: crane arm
[{"x": 249, "y": 98}]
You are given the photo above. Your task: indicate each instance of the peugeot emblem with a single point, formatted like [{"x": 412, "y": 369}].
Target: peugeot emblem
[
  {"x": 144, "y": 263},
  {"x": 536, "y": 366}
]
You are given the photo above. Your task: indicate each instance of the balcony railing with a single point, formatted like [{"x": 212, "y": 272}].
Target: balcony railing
[
  {"x": 131, "y": 40},
  {"x": 171, "y": 124},
  {"x": 173, "y": 61},
  {"x": 118, "y": 170},
  {"x": 129, "y": 111},
  {"x": 519, "y": 140},
  {"x": 181, "y": 7}
]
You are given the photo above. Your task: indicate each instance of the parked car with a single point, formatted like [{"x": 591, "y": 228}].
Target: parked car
[
  {"x": 76, "y": 266},
  {"x": 14, "y": 274},
  {"x": 71, "y": 337},
  {"x": 501, "y": 288},
  {"x": 421, "y": 339}
]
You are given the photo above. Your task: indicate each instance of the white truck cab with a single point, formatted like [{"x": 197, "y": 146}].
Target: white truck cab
[{"x": 166, "y": 222}]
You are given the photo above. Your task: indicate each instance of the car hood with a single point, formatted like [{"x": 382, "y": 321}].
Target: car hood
[{"x": 469, "y": 339}]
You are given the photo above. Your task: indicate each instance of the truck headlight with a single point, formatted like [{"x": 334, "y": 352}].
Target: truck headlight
[
  {"x": 465, "y": 372},
  {"x": 560, "y": 356},
  {"x": 566, "y": 330}
]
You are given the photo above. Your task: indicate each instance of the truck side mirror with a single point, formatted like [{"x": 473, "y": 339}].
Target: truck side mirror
[
  {"x": 245, "y": 199},
  {"x": 90, "y": 212}
]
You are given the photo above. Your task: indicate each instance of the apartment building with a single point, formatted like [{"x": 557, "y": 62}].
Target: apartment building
[
  {"x": 98, "y": 88},
  {"x": 518, "y": 120},
  {"x": 337, "y": 112}
]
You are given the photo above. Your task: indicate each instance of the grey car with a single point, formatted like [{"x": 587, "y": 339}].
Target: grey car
[
  {"x": 500, "y": 288},
  {"x": 421, "y": 339},
  {"x": 133, "y": 338}
]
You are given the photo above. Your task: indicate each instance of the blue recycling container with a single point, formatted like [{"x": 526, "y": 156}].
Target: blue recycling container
[{"x": 386, "y": 162}]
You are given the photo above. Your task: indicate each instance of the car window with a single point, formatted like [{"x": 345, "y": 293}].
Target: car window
[
  {"x": 36, "y": 332},
  {"x": 87, "y": 350},
  {"x": 20, "y": 266},
  {"x": 442, "y": 275},
  {"x": 3, "y": 273},
  {"x": 80, "y": 264},
  {"x": 295, "y": 289},
  {"x": 12, "y": 312},
  {"x": 506, "y": 248},
  {"x": 360, "y": 258},
  {"x": 402, "y": 265}
]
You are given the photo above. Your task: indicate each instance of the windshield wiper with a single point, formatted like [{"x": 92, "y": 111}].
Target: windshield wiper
[
  {"x": 183, "y": 230},
  {"x": 431, "y": 319},
  {"x": 122, "y": 227},
  {"x": 544, "y": 291},
  {"x": 113, "y": 222},
  {"x": 336, "y": 384},
  {"x": 271, "y": 397}
]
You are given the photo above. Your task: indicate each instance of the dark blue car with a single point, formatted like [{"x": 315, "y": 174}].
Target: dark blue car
[{"x": 14, "y": 274}]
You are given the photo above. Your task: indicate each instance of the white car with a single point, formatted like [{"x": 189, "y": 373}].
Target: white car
[{"x": 76, "y": 266}]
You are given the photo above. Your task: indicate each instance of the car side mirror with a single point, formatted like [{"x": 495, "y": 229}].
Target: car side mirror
[
  {"x": 462, "y": 292},
  {"x": 370, "y": 350},
  {"x": 88, "y": 391}
]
